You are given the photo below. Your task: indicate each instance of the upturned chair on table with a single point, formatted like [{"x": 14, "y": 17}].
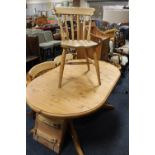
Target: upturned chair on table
[{"x": 81, "y": 15}]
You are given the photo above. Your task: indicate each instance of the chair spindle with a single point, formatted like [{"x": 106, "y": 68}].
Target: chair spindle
[
  {"x": 78, "y": 27},
  {"x": 66, "y": 27},
  {"x": 61, "y": 28},
  {"x": 84, "y": 27},
  {"x": 89, "y": 29},
  {"x": 72, "y": 26}
]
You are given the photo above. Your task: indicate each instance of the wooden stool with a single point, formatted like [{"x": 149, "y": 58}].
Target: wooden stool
[{"x": 81, "y": 15}]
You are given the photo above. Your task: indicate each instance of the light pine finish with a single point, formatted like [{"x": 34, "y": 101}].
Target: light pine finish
[
  {"x": 78, "y": 43},
  {"x": 57, "y": 60},
  {"x": 78, "y": 27},
  {"x": 84, "y": 29},
  {"x": 63, "y": 56},
  {"x": 40, "y": 68},
  {"x": 72, "y": 42},
  {"x": 97, "y": 67},
  {"x": 61, "y": 28},
  {"x": 75, "y": 139},
  {"x": 87, "y": 60},
  {"x": 89, "y": 29},
  {"x": 66, "y": 26},
  {"x": 75, "y": 10},
  {"x": 80, "y": 94},
  {"x": 49, "y": 132},
  {"x": 36, "y": 71}
]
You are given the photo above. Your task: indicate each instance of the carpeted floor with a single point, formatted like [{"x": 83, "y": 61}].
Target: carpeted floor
[{"x": 103, "y": 133}]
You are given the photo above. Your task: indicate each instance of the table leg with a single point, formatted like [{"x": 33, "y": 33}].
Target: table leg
[
  {"x": 108, "y": 106},
  {"x": 75, "y": 139}
]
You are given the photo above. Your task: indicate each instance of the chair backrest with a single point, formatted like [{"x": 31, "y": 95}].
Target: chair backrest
[
  {"x": 41, "y": 68},
  {"x": 80, "y": 15}
]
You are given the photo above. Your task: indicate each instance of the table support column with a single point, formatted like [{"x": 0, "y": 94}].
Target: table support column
[{"x": 75, "y": 139}]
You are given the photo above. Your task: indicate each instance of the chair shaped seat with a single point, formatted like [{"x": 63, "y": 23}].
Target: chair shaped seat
[
  {"x": 78, "y": 43},
  {"x": 76, "y": 16}
]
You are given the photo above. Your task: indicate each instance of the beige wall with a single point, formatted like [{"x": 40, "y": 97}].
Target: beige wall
[
  {"x": 37, "y": 1},
  {"x": 116, "y": 15}
]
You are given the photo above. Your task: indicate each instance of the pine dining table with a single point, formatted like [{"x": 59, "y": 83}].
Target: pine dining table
[{"x": 79, "y": 96}]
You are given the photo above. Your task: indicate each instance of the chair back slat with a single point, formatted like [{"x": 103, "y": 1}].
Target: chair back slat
[
  {"x": 66, "y": 27},
  {"x": 84, "y": 28},
  {"x": 78, "y": 27},
  {"x": 77, "y": 12},
  {"x": 89, "y": 29},
  {"x": 72, "y": 26},
  {"x": 61, "y": 28}
]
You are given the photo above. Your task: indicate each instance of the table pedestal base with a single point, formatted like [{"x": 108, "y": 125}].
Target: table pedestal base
[{"x": 51, "y": 132}]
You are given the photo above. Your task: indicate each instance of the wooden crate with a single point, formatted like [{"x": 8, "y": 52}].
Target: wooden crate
[{"x": 49, "y": 132}]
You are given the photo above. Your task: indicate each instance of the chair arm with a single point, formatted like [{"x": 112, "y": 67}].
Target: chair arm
[{"x": 96, "y": 38}]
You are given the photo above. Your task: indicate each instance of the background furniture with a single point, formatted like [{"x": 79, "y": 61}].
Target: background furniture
[
  {"x": 111, "y": 54},
  {"x": 42, "y": 20},
  {"x": 79, "y": 96},
  {"x": 32, "y": 51},
  {"x": 84, "y": 42},
  {"x": 46, "y": 42},
  {"x": 116, "y": 15}
]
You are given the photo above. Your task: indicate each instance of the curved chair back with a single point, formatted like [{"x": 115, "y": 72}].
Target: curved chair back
[{"x": 39, "y": 69}]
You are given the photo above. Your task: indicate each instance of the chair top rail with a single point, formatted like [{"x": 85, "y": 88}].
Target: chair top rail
[{"x": 75, "y": 10}]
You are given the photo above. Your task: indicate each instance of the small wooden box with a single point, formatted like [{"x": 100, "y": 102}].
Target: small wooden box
[{"x": 49, "y": 132}]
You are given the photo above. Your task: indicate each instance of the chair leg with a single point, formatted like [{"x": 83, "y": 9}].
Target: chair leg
[
  {"x": 63, "y": 56},
  {"x": 97, "y": 67},
  {"x": 86, "y": 55}
]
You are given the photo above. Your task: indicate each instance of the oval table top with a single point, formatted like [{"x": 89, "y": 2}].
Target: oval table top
[{"x": 79, "y": 95}]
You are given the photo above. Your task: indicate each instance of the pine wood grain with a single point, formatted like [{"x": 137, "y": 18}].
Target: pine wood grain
[
  {"x": 80, "y": 94},
  {"x": 74, "y": 10}
]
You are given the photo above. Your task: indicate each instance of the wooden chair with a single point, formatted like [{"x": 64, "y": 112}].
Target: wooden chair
[
  {"x": 81, "y": 15},
  {"x": 36, "y": 71},
  {"x": 39, "y": 69},
  {"x": 57, "y": 59}
]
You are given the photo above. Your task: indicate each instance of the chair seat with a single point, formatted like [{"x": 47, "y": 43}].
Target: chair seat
[{"x": 78, "y": 43}]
